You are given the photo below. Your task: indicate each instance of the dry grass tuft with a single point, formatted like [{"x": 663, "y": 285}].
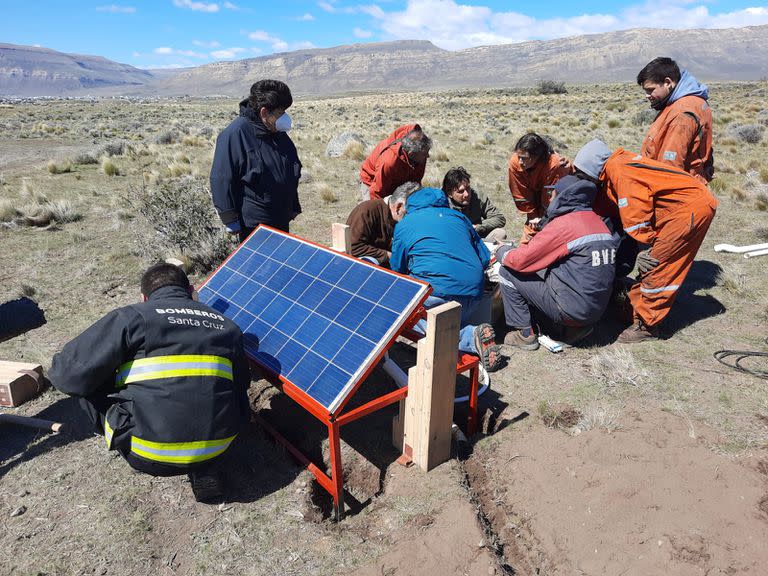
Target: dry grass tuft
[
  {"x": 8, "y": 210},
  {"x": 596, "y": 416},
  {"x": 355, "y": 151},
  {"x": 615, "y": 367},
  {"x": 733, "y": 279},
  {"x": 62, "y": 211},
  {"x": 109, "y": 167},
  {"x": 326, "y": 193}
]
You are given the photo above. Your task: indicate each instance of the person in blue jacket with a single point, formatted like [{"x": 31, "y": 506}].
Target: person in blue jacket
[
  {"x": 256, "y": 169},
  {"x": 439, "y": 245}
]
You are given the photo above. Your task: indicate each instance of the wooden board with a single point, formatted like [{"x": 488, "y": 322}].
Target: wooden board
[{"x": 19, "y": 381}]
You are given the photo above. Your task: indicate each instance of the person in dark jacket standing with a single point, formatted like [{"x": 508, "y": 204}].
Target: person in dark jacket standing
[
  {"x": 566, "y": 270},
  {"x": 256, "y": 169},
  {"x": 165, "y": 381}
]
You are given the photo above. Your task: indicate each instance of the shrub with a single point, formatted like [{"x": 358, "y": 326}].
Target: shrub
[
  {"x": 8, "y": 211},
  {"x": 54, "y": 168},
  {"x": 551, "y": 87},
  {"x": 117, "y": 148},
  {"x": 84, "y": 158},
  {"x": 613, "y": 123},
  {"x": 355, "y": 151},
  {"x": 327, "y": 194},
  {"x": 62, "y": 211},
  {"x": 182, "y": 215},
  {"x": 749, "y": 133},
  {"x": 108, "y": 167},
  {"x": 167, "y": 137},
  {"x": 616, "y": 367}
]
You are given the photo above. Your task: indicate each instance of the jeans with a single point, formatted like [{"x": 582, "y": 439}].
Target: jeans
[{"x": 467, "y": 331}]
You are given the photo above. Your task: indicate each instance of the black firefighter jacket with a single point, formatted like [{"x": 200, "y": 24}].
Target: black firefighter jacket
[
  {"x": 255, "y": 174},
  {"x": 177, "y": 371}
]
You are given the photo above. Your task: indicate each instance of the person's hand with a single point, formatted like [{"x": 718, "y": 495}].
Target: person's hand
[
  {"x": 646, "y": 262},
  {"x": 535, "y": 223},
  {"x": 233, "y": 227},
  {"x": 501, "y": 251},
  {"x": 564, "y": 162}
]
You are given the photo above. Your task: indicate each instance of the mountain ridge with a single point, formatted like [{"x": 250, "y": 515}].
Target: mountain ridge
[{"x": 711, "y": 55}]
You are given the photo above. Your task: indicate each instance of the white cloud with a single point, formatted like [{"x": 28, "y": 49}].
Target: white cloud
[
  {"x": 227, "y": 53},
  {"x": 115, "y": 9},
  {"x": 327, "y": 6},
  {"x": 206, "y": 44},
  {"x": 165, "y": 66},
  {"x": 230, "y": 6},
  {"x": 462, "y": 25},
  {"x": 168, "y": 51},
  {"x": 360, "y": 33},
  {"x": 263, "y": 36},
  {"x": 306, "y": 17},
  {"x": 197, "y": 6},
  {"x": 164, "y": 50},
  {"x": 304, "y": 45}
]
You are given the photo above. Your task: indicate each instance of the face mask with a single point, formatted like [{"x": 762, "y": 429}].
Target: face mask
[{"x": 284, "y": 123}]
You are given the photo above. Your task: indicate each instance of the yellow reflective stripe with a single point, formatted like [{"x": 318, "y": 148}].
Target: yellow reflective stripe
[
  {"x": 108, "y": 432},
  {"x": 179, "y": 452},
  {"x": 177, "y": 373},
  {"x": 178, "y": 365}
]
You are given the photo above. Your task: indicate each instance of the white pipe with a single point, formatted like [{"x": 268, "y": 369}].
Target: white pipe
[
  {"x": 401, "y": 378},
  {"x": 762, "y": 252},
  {"x": 739, "y": 249}
]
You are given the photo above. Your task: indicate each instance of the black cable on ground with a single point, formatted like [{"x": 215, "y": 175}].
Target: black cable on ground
[{"x": 726, "y": 357}]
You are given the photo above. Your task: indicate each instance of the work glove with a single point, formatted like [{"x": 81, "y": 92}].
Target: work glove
[
  {"x": 232, "y": 227},
  {"x": 501, "y": 251},
  {"x": 646, "y": 262}
]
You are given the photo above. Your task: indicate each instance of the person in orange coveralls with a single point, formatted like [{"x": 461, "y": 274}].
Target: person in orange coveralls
[
  {"x": 533, "y": 170},
  {"x": 667, "y": 211},
  {"x": 681, "y": 134},
  {"x": 401, "y": 157}
]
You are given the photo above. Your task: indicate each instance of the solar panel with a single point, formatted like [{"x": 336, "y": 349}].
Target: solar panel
[{"x": 314, "y": 317}]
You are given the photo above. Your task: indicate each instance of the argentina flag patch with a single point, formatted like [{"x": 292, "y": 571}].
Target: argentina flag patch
[
  {"x": 669, "y": 155},
  {"x": 623, "y": 202}
]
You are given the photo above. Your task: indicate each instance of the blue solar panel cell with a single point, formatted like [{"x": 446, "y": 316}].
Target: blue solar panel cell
[{"x": 312, "y": 316}]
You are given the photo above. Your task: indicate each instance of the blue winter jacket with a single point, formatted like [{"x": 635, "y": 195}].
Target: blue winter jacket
[
  {"x": 439, "y": 245},
  {"x": 255, "y": 174}
]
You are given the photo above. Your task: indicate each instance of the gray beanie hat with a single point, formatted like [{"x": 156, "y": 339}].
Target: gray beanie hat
[{"x": 591, "y": 158}]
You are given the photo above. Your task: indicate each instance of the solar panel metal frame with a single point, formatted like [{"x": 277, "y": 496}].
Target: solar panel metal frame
[{"x": 358, "y": 377}]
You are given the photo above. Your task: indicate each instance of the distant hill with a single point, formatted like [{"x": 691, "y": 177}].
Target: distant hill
[
  {"x": 32, "y": 71},
  {"x": 711, "y": 55}
]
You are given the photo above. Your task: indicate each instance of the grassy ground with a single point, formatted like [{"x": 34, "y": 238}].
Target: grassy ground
[{"x": 74, "y": 180}]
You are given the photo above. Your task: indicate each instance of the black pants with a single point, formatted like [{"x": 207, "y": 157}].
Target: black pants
[{"x": 96, "y": 407}]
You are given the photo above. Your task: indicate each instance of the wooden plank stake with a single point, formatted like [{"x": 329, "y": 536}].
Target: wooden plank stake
[
  {"x": 340, "y": 238},
  {"x": 428, "y": 411}
]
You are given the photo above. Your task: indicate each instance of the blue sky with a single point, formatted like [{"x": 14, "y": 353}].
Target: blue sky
[{"x": 174, "y": 33}]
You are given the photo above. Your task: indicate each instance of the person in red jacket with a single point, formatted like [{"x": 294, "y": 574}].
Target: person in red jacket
[
  {"x": 533, "y": 170},
  {"x": 565, "y": 272},
  {"x": 667, "y": 211},
  {"x": 681, "y": 133},
  {"x": 401, "y": 157}
]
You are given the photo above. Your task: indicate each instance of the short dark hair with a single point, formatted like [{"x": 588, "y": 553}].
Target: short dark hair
[
  {"x": 163, "y": 274},
  {"x": 537, "y": 146},
  {"x": 270, "y": 94},
  {"x": 658, "y": 69},
  {"x": 453, "y": 178}
]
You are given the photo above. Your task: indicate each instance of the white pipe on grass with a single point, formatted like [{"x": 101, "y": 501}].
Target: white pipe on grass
[
  {"x": 739, "y": 249},
  {"x": 756, "y": 253}
]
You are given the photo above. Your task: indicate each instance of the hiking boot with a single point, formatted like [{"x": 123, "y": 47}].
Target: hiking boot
[
  {"x": 638, "y": 332},
  {"x": 515, "y": 338},
  {"x": 207, "y": 485},
  {"x": 485, "y": 344},
  {"x": 574, "y": 334}
]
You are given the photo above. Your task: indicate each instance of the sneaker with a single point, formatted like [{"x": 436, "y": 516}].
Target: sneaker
[
  {"x": 515, "y": 338},
  {"x": 638, "y": 332},
  {"x": 485, "y": 344},
  {"x": 207, "y": 485}
]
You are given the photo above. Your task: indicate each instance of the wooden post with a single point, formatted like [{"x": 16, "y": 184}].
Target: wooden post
[
  {"x": 428, "y": 411},
  {"x": 340, "y": 239}
]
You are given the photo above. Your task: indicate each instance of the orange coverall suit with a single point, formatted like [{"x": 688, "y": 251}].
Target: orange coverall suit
[
  {"x": 676, "y": 138},
  {"x": 387, "y": 167},
  {"x": 528, "y": 187},
  {"x": 667, "y": 208}
]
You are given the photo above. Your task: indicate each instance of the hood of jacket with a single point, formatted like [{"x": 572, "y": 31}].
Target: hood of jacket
[
  {"x": 426, "y": 198},
  {"x": 247, "y": 112},
  {"x": 572, "y": 194},
  {"x": 688, "y": 86},
  {"x": 592, "y": 157}
]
